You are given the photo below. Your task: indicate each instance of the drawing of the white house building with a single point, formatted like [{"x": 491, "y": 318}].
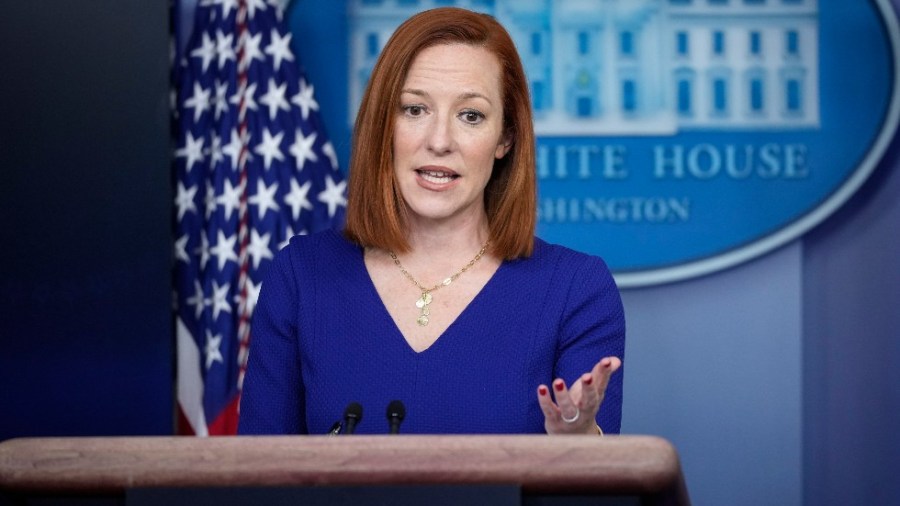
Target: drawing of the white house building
[{"x": 638, "y": 67}]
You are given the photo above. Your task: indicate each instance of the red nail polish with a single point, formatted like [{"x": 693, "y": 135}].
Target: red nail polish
[
  {"x": 589, "y": 380},
  {"x": 543, "y": 390},
  {"x": 559, "y": 386}
]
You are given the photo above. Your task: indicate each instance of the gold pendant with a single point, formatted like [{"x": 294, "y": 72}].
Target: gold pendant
[{"x": 422, "y": 303}]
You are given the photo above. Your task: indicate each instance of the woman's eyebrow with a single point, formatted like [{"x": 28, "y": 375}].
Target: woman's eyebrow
[
  {"x": 414, "y": 91},
  {"x": 474, "y": 94},
  {"x": 462, "y": 96}
]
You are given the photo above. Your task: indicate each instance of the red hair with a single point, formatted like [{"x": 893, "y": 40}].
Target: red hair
[{"x": 375, "y": 208}]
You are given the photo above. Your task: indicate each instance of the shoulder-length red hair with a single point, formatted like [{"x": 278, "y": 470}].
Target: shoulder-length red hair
[{"x": 375, "y": 208}]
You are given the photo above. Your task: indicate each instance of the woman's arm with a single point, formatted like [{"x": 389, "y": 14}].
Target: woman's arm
[
  {"x": 591, "y": 348},
  {"x": 273, "y": 401}
]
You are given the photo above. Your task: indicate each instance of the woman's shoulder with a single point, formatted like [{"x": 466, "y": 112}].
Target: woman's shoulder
[
  {"x": 319, "y": 249},
  {"x": 564, "y": 267},
  {"x": 551, "y": 254},
  {"x": 327, "y": 242}
]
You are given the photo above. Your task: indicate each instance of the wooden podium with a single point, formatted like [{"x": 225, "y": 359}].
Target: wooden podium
[{"x": 529, "y": 469}]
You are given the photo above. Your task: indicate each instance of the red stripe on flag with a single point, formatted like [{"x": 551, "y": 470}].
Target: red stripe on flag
[{"x": 227, "y": 422}]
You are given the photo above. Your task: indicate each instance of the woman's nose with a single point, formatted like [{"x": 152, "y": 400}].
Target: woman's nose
[{"x": 440, "y": 135}]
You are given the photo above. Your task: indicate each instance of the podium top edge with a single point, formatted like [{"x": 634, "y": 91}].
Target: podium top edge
[{"x": 624, "y": 464}]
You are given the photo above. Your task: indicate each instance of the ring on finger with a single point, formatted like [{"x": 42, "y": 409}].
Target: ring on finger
[{"x": 573, "y": 419}]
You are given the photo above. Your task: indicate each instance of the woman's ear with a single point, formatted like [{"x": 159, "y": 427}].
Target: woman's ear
[{"x": 504, "y": 146}]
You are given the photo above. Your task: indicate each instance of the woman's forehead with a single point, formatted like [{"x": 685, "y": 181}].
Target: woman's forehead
[{"x": 471, "y": 70}]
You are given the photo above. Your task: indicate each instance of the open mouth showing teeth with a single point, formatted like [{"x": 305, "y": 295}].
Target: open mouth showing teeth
[{"x": 437, "y": 177}]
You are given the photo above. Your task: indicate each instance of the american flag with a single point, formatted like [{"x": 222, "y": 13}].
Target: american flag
[{"x": 253, "y": 167}]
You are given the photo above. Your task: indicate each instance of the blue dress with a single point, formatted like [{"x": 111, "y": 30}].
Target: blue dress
[{"x": 322, "y": 338}]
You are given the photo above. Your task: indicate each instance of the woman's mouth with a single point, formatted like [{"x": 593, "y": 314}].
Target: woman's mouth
[{"x": 437, "y": 176}]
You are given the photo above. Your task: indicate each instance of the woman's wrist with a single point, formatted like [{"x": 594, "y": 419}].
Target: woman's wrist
[{"x": 592, "y": 430}]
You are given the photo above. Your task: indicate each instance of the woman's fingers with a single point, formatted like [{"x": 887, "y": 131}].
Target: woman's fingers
[
  {"x": 568, "y": 411},
  {"x": 590, "y": 395},
  {"x": 551, "y": 412},
  {"x": 602, "y": 372}
]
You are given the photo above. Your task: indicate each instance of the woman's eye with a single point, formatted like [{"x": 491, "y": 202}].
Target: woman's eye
[
  {"x": 472, "y": 117},
  {"x": 414, "y": 110}
]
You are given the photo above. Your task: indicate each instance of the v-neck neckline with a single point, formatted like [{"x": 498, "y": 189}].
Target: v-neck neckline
[{"x": 382, "y": 307}]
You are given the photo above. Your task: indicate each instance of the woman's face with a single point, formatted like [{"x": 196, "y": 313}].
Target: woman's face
[{"x": 448, "y": 130}]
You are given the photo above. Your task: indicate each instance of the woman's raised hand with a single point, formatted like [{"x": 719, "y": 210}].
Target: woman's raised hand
[{"x": 575, "y": 408}]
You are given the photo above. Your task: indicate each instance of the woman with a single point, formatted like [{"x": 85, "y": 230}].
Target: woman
[{"x": 438, "y": 293}]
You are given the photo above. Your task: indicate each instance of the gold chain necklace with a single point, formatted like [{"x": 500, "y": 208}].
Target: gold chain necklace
[{"x": 425, "y": 299}]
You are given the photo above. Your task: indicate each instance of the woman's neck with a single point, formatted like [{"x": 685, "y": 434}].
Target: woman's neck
[
  {"x": 439, "y": 247},
  {"x": 431, "y": 237}
]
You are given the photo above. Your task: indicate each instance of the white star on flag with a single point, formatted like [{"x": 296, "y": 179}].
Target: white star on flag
[
  {"x": 259, "y": 248},
  {"x": 274, "y": 99},
  {"x": 213, "y": 354},
  {"x": 233, "y": 148},
  {"x": 264, "y": 198},
  {"x": 333, "y": 195},
  {"x": 270, "y": 148},
  {"x": 184, "y": 200},
  {"x": 198, "y": 300},
  {"x": 302, "y": 148},
  {"x": 224, "y": 48},
  {"x": 279, "y": 48},
  {"x": 304, "y": 99},
  {"x": 207, "y": 51},
  {"x": 199, "y": 101},
  {"x": 251, "y": 49},
  {"x": 296, "y": 198},
  {"x": 224, "y": 249},
  {"x": 230, "y": 198},
  {"x": 220, "y": 299},
  {"x": 192, "y": 150}
]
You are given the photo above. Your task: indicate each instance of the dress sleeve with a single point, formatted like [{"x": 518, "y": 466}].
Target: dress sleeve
[
  {"x": 592, "y": 327},
  {"x": 272, "y": 401}
]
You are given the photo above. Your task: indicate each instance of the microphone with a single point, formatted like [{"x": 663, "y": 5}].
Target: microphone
[
  {"x": 395, "y": 414},
  {"x": 352, "y": 416}
]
